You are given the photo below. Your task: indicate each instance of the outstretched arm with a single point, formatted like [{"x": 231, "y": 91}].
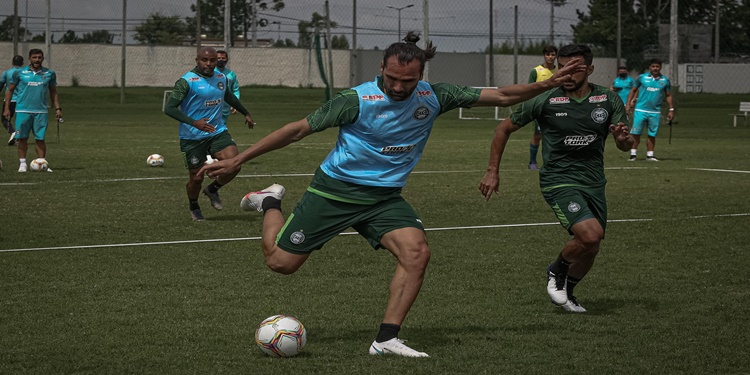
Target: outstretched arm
[
  {"x": 282, "y": 137},
  {"x": 491, "y": 181},
  {"x": 513, "y": 94}
]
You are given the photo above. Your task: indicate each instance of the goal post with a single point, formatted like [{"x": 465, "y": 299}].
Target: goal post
[{"x": 484, "y": 113}]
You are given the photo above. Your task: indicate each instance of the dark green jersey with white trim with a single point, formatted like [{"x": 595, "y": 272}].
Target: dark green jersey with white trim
[{"x": 573, "y": 134}]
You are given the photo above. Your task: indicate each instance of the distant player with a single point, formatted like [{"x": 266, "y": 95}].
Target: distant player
[
  {"x": 538, "y": 74},
  {"x": 575, "y": 120},
  {"x": 32, "y": 83},
  {"x": 5, "y": 80},
  {"x": 222, "y": 59},
  {"x": 649, "y": 91},
  {"x": 197, "y": 102},
  {"x": 622, "y": 84}
]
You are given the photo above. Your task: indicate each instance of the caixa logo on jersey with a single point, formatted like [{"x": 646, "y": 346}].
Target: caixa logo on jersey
[{"x": 421, "y": 113}]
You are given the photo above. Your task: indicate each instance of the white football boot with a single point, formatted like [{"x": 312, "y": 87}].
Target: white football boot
[
  {"x": 573, "y": 306},
  {"x": 22, "y": 168},
  {"x": 394, "y": 346},
  {"x": 254, "y": 199},
  {"x": 557, "y": 288}
]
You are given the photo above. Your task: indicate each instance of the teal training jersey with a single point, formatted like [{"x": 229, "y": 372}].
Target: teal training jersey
[
  {"x": 622, "y": 87},
  {"x": 234, "y": 87},
  {"x": 204, "y": 99},
  {"x": 651, "y": 92},
  {"x": 573, "y": 134},
  {"x": 6, "y": 79},
  {"x": 33, "y": 88}
]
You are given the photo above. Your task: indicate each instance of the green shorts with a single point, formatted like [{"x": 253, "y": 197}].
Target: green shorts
[
  {"x": 573, "y": 204},
  {"x": 194, "y": 151},
  {"x": 316, "y": 220}
]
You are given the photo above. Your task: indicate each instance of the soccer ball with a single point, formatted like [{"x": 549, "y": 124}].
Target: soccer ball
[
  {"x": 281, "y": 336},
  {"x": 155, "y": 160},
  {"x": 39, "y": 165}
]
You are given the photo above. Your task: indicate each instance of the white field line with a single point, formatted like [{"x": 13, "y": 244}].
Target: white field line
[
  {"x": 160, "y": 243},
  {"x": 718, "y": 170}
]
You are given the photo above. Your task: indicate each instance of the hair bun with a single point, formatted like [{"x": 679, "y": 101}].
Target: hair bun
[{"x": 411, "y": 37}]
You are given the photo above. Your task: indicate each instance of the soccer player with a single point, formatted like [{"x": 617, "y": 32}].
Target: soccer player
[
  {"x": 622, "y": 84},
  {"x": 5, "y": 80},
  {"x": 383, "y": 126},
  {"x": 197, "y": 102},
  {"x": 222, "y": 59},
  {"x": 575, "y": 120},
  {"x": 32, "y": 82},
  {"x": 538, "y": 74},
  {"x": 649, "y": 91}
]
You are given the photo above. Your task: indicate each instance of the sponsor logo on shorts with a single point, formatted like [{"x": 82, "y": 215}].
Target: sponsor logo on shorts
[
  {"x": 421, "y": 113},
  {"x": 559, "y": 100},
  {"x": 213, "y": 103},
  {"x": 598, "y": 98},
  {"x": 373, "y": 98},
  {"x": 297, "y": 237},
  {"x": 574, "y": 207},
  {"x": 599, "y": 115},
  {"x": 579, "y": 140},
  {"x": 194, "y": 160},
  {"x": 396, "y": 149}
]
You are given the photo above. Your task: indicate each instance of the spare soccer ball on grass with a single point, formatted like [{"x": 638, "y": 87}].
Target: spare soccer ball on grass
[
  {"x": 281, "y": 336},
  {"x": 155, "y": 160},
  {"x": 39, "y": 165}
]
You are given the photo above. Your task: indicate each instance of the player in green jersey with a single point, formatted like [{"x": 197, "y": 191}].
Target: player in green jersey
[
  {"x": 383, "y": 127},
  {"x": 575, "y": 120}
]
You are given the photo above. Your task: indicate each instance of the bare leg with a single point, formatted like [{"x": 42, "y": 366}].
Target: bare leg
[
  {"x": 41, "y": 149},
  {"x": 650, "y": 143},
  {"x": 278, "y": 260},
  {"x": 227, "y": 153},
  {"x": 193, "y": 186},
  {"x": 409, "y": 246},
  {"x": 637, "y": 138},
  {"x": 582, "y": 249},
  {"x": 23, "y": 146}
]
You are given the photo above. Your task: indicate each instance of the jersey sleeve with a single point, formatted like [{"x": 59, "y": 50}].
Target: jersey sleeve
[
  {"x": 180, "y": 90},
  {"x": 452, "y": 96},
  {"x": 16, "y": 77},
  {"x": 53, "y": 79},
  {"x": 526, "y": 112},
  {"x": 235, "y": 85},
  {"x": 618, "y": 109},
  {"x": 342, "y": 110},
  {"x": 532, "y": 76},
  {"x": 637, "y": 82}
]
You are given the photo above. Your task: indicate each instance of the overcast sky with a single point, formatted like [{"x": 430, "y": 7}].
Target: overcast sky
[{"x": 454, "y": 25}]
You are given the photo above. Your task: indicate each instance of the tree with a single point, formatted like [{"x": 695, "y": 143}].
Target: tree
[
  {"x": 158, "y": 29},
  {"x": 284, "y": 43},
  {"x": 308, "y": 28},
  {"x": 212, "y": 16},
  {"x": 98, "y": 37},
  {"x": 7, "y": 29},
  {"x": 70, "y": 37},
  {"x": 339, "y": 42}
]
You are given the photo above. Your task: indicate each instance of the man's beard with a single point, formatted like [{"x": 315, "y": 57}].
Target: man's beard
[{"x": 575, "y": 88}]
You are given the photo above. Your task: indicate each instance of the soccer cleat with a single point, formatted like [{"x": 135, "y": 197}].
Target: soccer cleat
[
  {"x": 651, "y": 158},
  {"x": 12, "y": 139},
  {"x": 197, "y": 215},
  {"x": 254, "y": 199},
  {"x": 49, "y": 169},
  {"x": 394, "y": 346},
  {"x": 632, "y": 158},
  {"x": 214, "y": 197},
  {"x": 573, "y": 306},
  {"x": 557, "y": 288},
  {"x": 23, "y": 167},
  {"x": 533, "y": 167}
]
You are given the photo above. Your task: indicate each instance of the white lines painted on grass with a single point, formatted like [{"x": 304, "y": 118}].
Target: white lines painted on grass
[
  {"x": 718, "y": 170},
  {"x": 474, "y": 227}
]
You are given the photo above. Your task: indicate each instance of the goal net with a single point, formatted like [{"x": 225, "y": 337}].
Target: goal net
[{"x": 484, "y": 113}]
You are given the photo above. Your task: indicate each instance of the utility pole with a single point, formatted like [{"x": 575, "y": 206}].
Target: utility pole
[
  {"x": 491, "y": 50},
  {"x": 716, "y": 36},
  {"x": 122, "y": 50},
  {"x": 552, "y": 22},
  {"x": 673, "y": 46},
  {"x": 619, "y": 32},
  {"x": 227, "y": 24},
  {"x": 426, "y": 34}
]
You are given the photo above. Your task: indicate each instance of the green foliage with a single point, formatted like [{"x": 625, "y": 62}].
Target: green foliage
[
  {"x": 339, "y": 42},
  {"x": 525, "y": 47},
  {"x": 97, "y": 36},
  {"x": 113, "y": 296},
  {"x": 7, "y": 29},
  {"x": 212, "y": 16},
  {"x": 307, "y": 29},
  {"x": 163, "y": 30},
  {"x": 284, "y": 43}
]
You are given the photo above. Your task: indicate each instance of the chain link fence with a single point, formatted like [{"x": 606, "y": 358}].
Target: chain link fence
[{"x": 339, "y": 43}]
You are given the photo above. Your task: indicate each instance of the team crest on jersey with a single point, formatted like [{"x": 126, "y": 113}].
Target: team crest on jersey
[
  {"x": 221, "y": 85},
  {"x": 373, "y": 98},
  {"x": 421, "y": 113},
  {"x": 598, "y": 98},
  {"x": 424, "y": 93},
  {"x": 599, "y": 115},
  {"x": 297, "y": 237},
  {"x": 559, "y": 100},
  {"x": 574, "y": 207}
]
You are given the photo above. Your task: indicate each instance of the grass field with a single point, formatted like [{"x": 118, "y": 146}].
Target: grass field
[{"x": 102, "y": 271}]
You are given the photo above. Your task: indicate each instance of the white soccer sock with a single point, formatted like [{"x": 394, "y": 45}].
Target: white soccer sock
[
  {"x": 22, "y": 161},
  {"x": 633, "y": 151},
  {"x": 649, "y": 154}
]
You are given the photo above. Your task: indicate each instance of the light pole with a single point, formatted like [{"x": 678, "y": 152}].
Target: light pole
[{"x": 399, "y": 16}]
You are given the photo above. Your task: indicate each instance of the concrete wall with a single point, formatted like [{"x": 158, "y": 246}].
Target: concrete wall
[{"x": 99, "y": 65}]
